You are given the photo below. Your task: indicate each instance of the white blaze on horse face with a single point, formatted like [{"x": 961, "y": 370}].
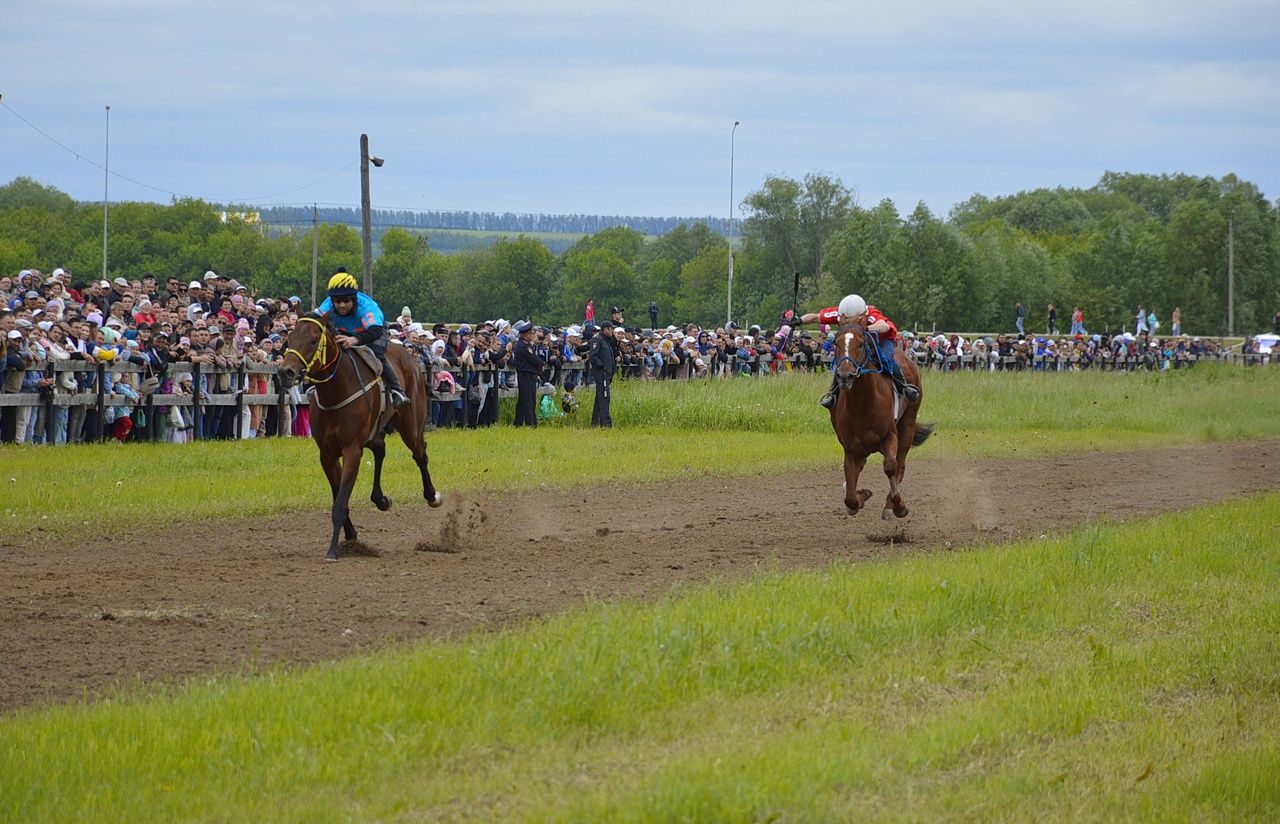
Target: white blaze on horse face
[{"x": 848, "y": 341}]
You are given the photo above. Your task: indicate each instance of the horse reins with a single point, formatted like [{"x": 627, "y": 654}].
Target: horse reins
[
  {"x": 321, "y": 346},
  {"x": 864, "y": 366}
]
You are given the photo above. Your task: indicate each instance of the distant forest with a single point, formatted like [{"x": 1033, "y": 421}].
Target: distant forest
[{"x": 513, "y": 222}]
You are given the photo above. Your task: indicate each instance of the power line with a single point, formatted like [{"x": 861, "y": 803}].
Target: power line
[{"x": 79, "y": 156}]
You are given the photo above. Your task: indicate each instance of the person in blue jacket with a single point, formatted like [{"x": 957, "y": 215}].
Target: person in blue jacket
[{"x": 359, "y": 321}]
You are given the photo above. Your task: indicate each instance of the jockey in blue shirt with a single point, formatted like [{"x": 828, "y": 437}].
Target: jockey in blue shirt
[{"x": 359, "y": 321}]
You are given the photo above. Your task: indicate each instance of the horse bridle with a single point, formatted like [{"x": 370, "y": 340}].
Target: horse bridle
[
  {"x": 321, "y": 346},
  {"x": 864, "y": 366}
]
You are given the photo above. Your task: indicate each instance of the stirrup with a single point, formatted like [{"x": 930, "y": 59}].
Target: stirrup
[
  {"x": 910, "y": 392},
  {"x": 828, "y": 401},
  {"x": 398, "y": 398}
]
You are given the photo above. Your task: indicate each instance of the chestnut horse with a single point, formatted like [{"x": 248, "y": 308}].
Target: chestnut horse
[
  {"x": 350, "y": 413},
  {"x": 863, "y": 417}
]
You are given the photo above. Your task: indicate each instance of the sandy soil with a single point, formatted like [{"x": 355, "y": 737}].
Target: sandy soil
[{"x": 190, "y": 599}]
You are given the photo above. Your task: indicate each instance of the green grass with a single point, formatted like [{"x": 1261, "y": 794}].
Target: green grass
[
  {"x": 664, "y": 430},
  {"x": 1119, "y": 672}
]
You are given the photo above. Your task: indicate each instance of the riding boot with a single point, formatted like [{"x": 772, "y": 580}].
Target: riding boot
[
  {"x": 905, "y": 389},
  {"x": 828, "y": 401},
  {"x": 398, "y": 397}
]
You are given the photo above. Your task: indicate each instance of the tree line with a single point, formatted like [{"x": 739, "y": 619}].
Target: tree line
[
  {"x": 510, "y": 222},
  {"x": 1156, "y": 240}
]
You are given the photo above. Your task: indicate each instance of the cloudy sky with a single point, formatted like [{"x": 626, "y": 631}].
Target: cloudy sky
[{"x": 627, "y": 108}]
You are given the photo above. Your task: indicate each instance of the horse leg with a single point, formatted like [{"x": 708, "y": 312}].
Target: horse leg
[
  {"x": 332, "y": 465},
  {"x": 378, "y": 446},
  {"x": 342, "y": 499},
  {"x": 853, "y": 500},
  {"x": 893, "y": 505},
  {"x": 411, "y": 433}
]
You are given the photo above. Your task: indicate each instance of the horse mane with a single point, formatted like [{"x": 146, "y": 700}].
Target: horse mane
[{"x": 324, "y": 321}]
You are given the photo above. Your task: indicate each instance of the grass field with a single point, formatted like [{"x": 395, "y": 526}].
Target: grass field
[
  {"x": 663, "y": 430},
  {"x": 1121, "y": 672}
]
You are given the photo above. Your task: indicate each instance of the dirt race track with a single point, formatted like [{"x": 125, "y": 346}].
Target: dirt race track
[{"x": 231, "y": 595}]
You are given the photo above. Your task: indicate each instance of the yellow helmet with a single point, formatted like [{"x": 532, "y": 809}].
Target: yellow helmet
[{"x": 342, "y": 284}]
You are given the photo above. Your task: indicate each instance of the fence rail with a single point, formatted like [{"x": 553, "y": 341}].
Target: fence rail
[{"x": 99, "y": 400}]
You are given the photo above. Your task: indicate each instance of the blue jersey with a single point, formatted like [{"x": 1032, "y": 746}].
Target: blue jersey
[{"x": 367, "y": 313}]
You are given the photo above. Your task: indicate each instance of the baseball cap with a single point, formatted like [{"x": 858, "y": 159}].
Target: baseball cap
[
  {"x": 121, "y": 281},
  {"x": 195, "y": 284},
  {"x": 210, "y": 275},
  {"x": 14, "y": 333}
]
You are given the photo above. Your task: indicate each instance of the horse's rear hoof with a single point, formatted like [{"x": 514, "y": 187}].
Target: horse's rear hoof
[
  {"x": 331, "y": 555},
  {"x": 435, "y": 502},
  {"x": 384, "y": 504},
  {"x": 850, "y": 511}
]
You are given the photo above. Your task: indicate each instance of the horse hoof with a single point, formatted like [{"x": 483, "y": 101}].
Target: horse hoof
[
  {"x": 435, "y": 502},
  {"x": 887, "y": 515},
  {"x": 384, "y": 504},
  {"x": 332, "y": 555},
  {"x": 904, "y": 513},
  {"x": 850, "y": 511}
]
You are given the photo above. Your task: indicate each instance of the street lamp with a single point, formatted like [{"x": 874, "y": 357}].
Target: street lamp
[
  {"x": 366, "y": 230},
  {"x": 729, "y": 307}
]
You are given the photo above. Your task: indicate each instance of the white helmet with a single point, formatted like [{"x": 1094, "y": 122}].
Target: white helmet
[{"x": 852, "y": 306}]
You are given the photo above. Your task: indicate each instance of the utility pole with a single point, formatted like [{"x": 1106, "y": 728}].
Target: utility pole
[
  {"x": 106, "y": 177},
  {"x": 366, "y": 231},
  {"x": 315, "y": 253},
  {"x": 729, "y": 305},
  {"x": 1231, "y": 275}
]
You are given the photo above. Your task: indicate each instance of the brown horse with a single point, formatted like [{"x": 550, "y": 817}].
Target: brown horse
[
  {"x": 350, "y": 413},
  {"x": 863, "y": 417}
]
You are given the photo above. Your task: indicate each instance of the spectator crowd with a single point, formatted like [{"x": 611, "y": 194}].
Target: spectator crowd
[{"x": 212, "y": 338}]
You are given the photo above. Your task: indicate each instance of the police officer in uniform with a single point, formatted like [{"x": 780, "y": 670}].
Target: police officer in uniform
[
  {"x": 602, "y": 355},
  {"x": 528, "y": 365}
]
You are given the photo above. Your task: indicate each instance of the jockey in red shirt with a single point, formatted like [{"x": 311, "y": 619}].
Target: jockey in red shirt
[{"x": 853, "y": 309}]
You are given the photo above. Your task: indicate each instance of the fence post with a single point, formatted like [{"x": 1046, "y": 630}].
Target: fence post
[
  {"x": 240, "y": 383},
  {"x": 150, "y": 406},
  {"x": 100, "y": 406},
  {"x": 48, "y": 404},
  {"x": 197, "y": 426},
  {"x": 282, "y": 427}
]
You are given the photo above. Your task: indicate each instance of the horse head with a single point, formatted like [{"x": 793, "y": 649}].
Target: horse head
[
  {"x": 852, "y": 360},
  {"x": 310, "y": 350}
]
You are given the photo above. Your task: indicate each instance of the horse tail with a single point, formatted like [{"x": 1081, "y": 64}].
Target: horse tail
[{"x": 923, "y": 431}]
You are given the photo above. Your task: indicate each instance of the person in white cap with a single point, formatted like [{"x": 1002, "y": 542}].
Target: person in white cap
[{"x": 853, "y": 309}]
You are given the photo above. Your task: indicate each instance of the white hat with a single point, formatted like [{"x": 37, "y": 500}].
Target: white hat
[
  {"x": 851, "y": 306},
  {"x": 44, "y": 325},
  {"x": 416, "y": 328},
  {"x": 59, "y": 272},
  {"x": 14, "y": 334},
  {"x": 210, "y": 275},
  {"x": 573, "y": 332},
  {"x": 195, "y": 284},
  {"x": 121, "y": 281}
]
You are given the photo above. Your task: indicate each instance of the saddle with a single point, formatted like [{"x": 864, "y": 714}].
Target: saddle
[{"x": 368, "y": 358}]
